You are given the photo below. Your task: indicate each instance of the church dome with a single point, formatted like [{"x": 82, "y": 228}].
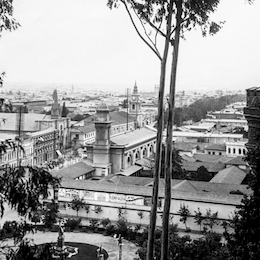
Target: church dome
[{"x": 102, "y": 106}]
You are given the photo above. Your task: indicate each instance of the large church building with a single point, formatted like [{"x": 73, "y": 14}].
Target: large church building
[{"x": 118, "y": 153}]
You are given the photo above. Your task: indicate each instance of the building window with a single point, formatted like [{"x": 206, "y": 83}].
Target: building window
[
  {"x": 234, "y": 150},
  {"x": 239, "y": 151},
  {"x": 213, "y": 153},
  {"x": 229, "y": 150},
  {"x": 220, "y": 153}
]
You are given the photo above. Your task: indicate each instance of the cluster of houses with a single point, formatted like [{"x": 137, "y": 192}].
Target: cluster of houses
[{"x": 115, "y": 168}]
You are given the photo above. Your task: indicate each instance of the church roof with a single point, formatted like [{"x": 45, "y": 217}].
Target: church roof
[
  {"x": 134, "y": 137},
  {"x": 120, "y": 117}
]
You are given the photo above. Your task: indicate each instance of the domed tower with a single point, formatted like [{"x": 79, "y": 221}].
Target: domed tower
[
  {"x": 101, "y": 149},
  {"x": 135, "y": 106}
]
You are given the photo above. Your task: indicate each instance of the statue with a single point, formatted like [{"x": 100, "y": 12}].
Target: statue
[{"x": 61, "y": 238}]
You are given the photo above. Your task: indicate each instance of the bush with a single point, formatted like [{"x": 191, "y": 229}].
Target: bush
[
  {"x": 122, "y": 226},
  {"x": 105, "y": 222},
  {"x": 94, "y": 223},
  {"x": 109, "y": 230},
  {"x": 73, "y": 224}
]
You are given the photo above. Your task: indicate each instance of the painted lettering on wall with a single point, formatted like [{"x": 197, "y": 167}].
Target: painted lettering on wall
[
  {"x": 130, "y": 199},
  {"x": 117, "y": 198}
]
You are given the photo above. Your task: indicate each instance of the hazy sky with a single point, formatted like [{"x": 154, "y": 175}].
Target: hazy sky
[{"x": 83, "y": 41}]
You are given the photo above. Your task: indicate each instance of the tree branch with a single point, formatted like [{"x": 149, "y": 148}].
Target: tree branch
[{"x": 145, "y": 41}]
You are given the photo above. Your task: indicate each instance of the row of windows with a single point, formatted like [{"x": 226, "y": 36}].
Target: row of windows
[
  {"x": 215, "y": 153},
  {"x": 87, "y": 135},
  {"x": 239, "y": 151}
]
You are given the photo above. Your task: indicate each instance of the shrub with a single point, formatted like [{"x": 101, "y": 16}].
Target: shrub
[
  {"x": 73, "y": 224},
  {"x": 94, "y": 223},
  {"x": 122, "y": 226},
  {"x": 109, "y": 230},
  {"x": 105, "y": 222}
]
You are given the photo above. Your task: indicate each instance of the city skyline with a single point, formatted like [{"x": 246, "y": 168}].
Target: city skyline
[{"x": 82, "y": 42}]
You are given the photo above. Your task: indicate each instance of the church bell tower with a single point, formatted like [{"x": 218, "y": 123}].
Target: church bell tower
[{"x": 135, "y": 106}]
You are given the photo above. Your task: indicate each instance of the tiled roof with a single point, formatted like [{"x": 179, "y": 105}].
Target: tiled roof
[
  {"x": 239, "y": 160},
  {"x": 204, "y": 193},
  {"x": 184, "y": 185},
  {"x": 187, "y": 147},
  {"x": 211, "y": 167},
  {"x": 216, "y": 147},
  {"x": 28, "y": 121},
  {"x": 206, "y": 157},
  {"x": 133, "y": 137},
  {"x": 74, "y": 171},
  {"x": 120, "y": 117},
  {"x": 232, "y": 175},
  {"x": 90, "y": 127},
  {"x": 188, "y": 158}
]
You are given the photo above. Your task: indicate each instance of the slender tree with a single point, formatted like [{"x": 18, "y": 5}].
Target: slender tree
[
  {"x": 169, "y": 19},
  {"x": 77, "y": 204}
]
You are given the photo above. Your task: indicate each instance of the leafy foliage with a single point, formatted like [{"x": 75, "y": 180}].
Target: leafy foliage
[
  {"x": 208, "y": 247},
  {"x": 243, "y": 241},
  {"x": 203, "y": 174},
  {"x": 7, "y": 22},
  {"x": 184, "y": 214},
  {"x": 23, "y": 188},
  {"x": 177, "y": 171},
  {"x": 77, "y": 203},
  {"x": 198, "y": 110},
  {"x": 105, "y": 222},
  {"x": 50, "y": 214},
  {"x": 73, "y": 224}
]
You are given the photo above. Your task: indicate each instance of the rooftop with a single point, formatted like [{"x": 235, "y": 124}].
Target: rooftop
[
  {"x": 232, "y": 175},
  {"x": 73, "y": 171},
  {"x": 133, "y": 137},
  {"x": 10, "y": 121}
]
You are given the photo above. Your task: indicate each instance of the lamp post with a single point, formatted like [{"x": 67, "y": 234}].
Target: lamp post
[{"x": 120, "y": 244}]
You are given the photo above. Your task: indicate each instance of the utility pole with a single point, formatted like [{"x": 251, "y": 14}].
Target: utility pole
[
  {"x": 127, "y": 104},
  {"x": 19, "y": 127}
]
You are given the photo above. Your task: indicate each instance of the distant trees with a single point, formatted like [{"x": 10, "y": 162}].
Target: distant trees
[
  {"x": 198, "y": 110},
  {"x": 203, "y": 174}
]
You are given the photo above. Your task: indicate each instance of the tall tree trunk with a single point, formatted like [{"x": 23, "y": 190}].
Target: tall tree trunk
[
  {"x": 158, "y": 154},
  {"x": 168, "y": 152}
]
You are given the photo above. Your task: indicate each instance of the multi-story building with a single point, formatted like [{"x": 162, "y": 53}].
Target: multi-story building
[
  {"x": 20, "y": 154},
  {"x": 45, "y": 145}
]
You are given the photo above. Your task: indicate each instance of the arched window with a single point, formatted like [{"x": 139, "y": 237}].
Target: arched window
[
  {"x": 129, "y": 160},
  {"x": 144, "y": 152},
  {"x": 137, "y": 155}
]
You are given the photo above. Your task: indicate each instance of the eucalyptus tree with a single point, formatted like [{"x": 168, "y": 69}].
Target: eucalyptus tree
[
  {"x": 169, "y": 19},
  {"x": 151, "y": 20}
]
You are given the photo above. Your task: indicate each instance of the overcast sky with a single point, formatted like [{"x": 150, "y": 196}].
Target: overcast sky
[{"x": 83, "y": 41}]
